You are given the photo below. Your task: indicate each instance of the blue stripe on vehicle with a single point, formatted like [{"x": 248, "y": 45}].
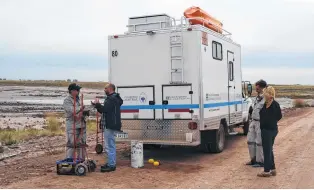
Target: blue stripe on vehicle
[{"x": 178, "y": 106}]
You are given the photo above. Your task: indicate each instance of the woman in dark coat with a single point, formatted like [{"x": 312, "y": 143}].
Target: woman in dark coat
[{"x": 270, "y": 114}]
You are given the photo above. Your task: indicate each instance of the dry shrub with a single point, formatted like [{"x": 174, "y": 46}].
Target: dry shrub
[
  {"x": 10, "y": 136},
  {"x": 53, "y": 125},
  {"x": 299, "y": 103}
]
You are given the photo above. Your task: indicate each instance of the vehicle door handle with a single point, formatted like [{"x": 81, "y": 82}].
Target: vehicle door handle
[{"x": 229, "y": 86}]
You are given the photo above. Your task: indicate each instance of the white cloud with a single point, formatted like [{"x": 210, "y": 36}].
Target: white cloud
[{"x": 83, "y": 25}]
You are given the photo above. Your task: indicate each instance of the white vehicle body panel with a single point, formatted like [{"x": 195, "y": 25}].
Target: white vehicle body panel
[{"x": 158, "y": 112}]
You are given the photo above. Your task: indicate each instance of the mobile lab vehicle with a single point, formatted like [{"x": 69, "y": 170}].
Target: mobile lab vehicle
[{"x": 181, "y": 84}]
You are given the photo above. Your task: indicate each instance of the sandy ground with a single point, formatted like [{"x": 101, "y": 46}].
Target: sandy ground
[{"x": 182, "y": 167}]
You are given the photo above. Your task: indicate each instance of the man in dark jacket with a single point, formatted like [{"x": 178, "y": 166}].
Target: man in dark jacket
[{"x": 111, "y": 117}]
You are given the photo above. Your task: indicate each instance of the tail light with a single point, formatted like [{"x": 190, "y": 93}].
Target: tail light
[
  {"x": 189, "y": 29},
  {"x": 115, "y": 36},
  {"x": 192, "y": 125}
]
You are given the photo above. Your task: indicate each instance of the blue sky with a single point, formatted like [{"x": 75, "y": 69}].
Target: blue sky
[{"x": 60, "y": 39}]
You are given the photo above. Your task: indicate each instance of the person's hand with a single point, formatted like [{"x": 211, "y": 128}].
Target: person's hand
[{"x": 95, "y": 102}]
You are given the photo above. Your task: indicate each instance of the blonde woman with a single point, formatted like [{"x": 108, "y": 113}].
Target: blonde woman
[{"x": 270, "y": 114}]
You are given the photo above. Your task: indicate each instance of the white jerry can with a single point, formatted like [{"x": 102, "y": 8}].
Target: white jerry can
[{"x": 137, "y": 154}]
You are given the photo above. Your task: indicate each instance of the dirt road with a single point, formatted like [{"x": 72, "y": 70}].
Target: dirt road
[{"x": 187, "y": 167}]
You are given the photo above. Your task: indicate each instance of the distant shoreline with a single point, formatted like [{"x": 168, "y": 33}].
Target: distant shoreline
[
  {"x": 93, "y": 85},
  {"x": 282, "y": 91}
]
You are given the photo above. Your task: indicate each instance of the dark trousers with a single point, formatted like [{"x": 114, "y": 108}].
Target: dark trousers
[{"x": 268, "y": 139}]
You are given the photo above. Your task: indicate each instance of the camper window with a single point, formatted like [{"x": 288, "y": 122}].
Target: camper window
[
  {"x": 217, "y": 50},
  {"x": 231, "y": 71}
]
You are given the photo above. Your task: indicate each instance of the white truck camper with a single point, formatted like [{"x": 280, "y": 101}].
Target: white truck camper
[{"x": 181, "y": 84}]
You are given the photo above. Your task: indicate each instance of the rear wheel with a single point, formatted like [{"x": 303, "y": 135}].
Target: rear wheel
[
  {"x": 218, "y": 143},
  {"x": 213, "y": 140}
]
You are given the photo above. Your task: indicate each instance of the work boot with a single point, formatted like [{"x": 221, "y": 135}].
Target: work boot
[
  {"x": 258, "y": 165},
  {"x": 264, "y": 174},
  {"x": 273, "y": 172},
  {"x": 106, "y": 168}
]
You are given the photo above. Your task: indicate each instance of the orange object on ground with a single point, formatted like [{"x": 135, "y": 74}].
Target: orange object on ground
[{"x": 194, "y": 12}]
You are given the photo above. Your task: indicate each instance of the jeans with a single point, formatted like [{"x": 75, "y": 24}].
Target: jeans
[
  {"x": 110, "y": 147},
  {"x": 268, "y": 139}
]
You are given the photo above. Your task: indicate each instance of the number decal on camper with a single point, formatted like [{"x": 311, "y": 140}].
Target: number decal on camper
[{"x": 114, "y": 53}]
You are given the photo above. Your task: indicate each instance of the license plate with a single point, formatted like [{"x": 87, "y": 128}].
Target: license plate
[{"x": 122, "y": 135}]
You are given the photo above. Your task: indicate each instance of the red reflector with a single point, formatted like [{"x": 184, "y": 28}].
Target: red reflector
[
  {"x": 192, "y": 125},
  {"x": 178, "y": 110},
  {"x": 189, "y": 29},
  {"x": 115, "y": 36},
  {"x": 130, "y": 111}
]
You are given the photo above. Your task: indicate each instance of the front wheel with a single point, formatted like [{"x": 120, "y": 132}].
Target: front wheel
[{"x": 80, "y": 169}]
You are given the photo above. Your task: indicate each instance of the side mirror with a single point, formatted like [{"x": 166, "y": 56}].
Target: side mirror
[{"x": 249, "y": 89}]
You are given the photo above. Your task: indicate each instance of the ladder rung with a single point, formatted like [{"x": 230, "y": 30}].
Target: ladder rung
[
  {"x": 172, "y": 46},
  {"x": 177, "y": 70},
  {"x": 176, "y": 58},
  {"x": 176, "y": 44}
]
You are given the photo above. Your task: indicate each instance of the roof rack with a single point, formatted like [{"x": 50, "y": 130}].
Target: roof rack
[{"x": 170, "y": 24}]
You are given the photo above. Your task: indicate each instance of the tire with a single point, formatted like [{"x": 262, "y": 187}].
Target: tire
[
  {"x": 99, "y": 149},
  {"x": 92, "y": 165},
  {"x": 213, "y": 140},
  {"x": 218, "y": 143},
  {"x": 80, "y": 169},
  {"x": 58, "y": 170}
]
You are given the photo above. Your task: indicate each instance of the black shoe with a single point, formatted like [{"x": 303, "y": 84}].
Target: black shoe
[
  {"x": 250, "y": 163},
  {"x": 258, "y": 165},
  {"x": 106, "y": 168}
]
